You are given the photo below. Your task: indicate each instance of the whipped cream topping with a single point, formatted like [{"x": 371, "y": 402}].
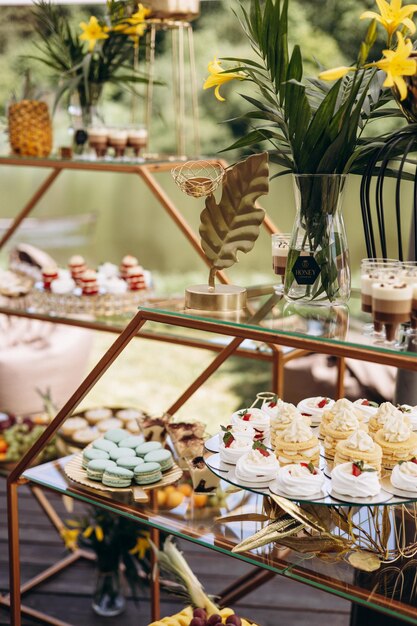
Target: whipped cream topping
[
  {"x": 115, "y": 285},
  {"x": 297, "y": 480},
  {"x": 404, "y": 476},
  {"x": 62, "y": 285},
  {"x": 344, "y": 482},
  {"x": 239, "y": 446},
  {"x": 108, "y": 270},
  {"x": 254, "y": 466},
  {"x": 287, "y": 414},
  {"x": 385, "y": 411},
  {"x": 409, "y": 412},
  {"x": 360, "y": 440},
  {"x": 255, "y": 417},
  {"x": 297, "y": 432},
  {"x": 396, "y": 429},
  {"x": 316, "y": 406},
  {"x": 392, "y": 291},
  {"x": 344, "y": 420},
  {"x": 273, "y": 408},
  {"x": 366, "y": 410}
]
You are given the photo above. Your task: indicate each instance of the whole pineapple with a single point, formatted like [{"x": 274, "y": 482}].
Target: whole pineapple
[{"x": 30, "y": 128}]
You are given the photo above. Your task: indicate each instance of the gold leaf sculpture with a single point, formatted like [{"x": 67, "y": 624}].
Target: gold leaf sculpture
[
  {"x": 365, "y": 561},
  {"x": 233, "y": 224}
]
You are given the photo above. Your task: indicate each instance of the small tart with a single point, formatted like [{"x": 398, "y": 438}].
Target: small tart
[{"x": 359, "y": 447}]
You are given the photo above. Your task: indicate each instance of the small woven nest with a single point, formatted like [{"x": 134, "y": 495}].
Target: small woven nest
[{"x": 198, "y": 178}]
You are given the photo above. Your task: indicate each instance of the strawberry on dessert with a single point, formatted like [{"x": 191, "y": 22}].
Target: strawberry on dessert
[
  {"x": 77, "y": 266},
  {"x": 257, "y": 466},
  {"x": 135, "y": 278},
  {"x": 272, "y": 406},
  {"x": 315, "y": 407},
  {"x": 48, "y": 275},
  {"x": 128, "y": 261},
  {"x": 238, "y": 430},
  {"x": 89, "y": 283},
  {"x": 256, "y": 418}
]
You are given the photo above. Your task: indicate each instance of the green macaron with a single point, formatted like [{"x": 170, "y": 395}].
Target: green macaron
[
  {"x": 163, "y": 457},
  {"x": 147, "y": 473},
  {"x": 117, "y": 477},
  {"x": 97, "y": 467},
  {"x": 89, "y": 454},
  {"x": 103, "y": 444},
  {"x": 148, "y": 446},
  {"x": 129, "y": 462},
  {"x": 116, "y": 435},
  {"x": 131, "y": 442},
  {"x": 119, "y": 453}
]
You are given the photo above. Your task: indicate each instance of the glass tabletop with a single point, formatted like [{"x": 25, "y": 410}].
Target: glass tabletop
[
  {"x": 391, "y": 589},
  {"x": 339, "y": 330}
]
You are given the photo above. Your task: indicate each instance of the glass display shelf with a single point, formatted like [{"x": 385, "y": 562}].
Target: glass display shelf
[
  {"x": 269, "y": 318},
  {"x": 90, "y": 161},
  {"x": 391, "y": 589}
]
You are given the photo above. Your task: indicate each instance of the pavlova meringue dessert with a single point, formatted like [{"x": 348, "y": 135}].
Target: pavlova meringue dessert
[
  {"x": 63, "y": 285},
  {"x": 297, "y": 444},
  {"x": 233, "y": 447},
  {"x": 242, "y": 429},
  {"x": 315, "y": 408},
  {"x": 257, "y": 466},
  {"x": 357, "y": 480},
  {"x": 256, "y": 418},
  {"x": 359, "y": 446},
  {"x": 286, "y": 415},
  {"x": 366, "y": 408},
  {"x": 300, "y": 479},
  {"x": 404, "y": 476}
]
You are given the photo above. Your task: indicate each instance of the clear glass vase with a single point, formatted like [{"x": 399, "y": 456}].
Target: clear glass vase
[
  {"x": 108, "y": 599},
  {"x": 318, "y": 270}
]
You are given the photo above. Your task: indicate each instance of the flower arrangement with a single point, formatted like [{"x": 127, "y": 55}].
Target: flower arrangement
[
  {"x": 315, "y": 129},
  {"x": 116, "y": 542},
  {"x": 102, "y": 50}
]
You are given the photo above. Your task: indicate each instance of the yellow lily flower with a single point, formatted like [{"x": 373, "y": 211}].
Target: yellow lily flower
[
  {"x": 98, "y": 531},
  {"x": 92, "y": 32},
  {"x": 135, "y": 26},
  {"x": 218, "y": 78},
  {"x": 70, "y": 538},
  {"x": 141, "y": 547},
  {"x": 392, "y": 15},
  {"x": 397, "y": 64},
  {"x": 336, "y": 73}
]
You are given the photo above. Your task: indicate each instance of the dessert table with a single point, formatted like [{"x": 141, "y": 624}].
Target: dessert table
[{"x": 336, "y": 331}]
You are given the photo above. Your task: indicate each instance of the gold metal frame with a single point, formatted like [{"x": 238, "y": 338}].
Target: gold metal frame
[{"x": 131, "y": 331}]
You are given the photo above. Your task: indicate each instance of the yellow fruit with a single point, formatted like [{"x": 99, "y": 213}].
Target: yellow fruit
[
  {"x": 169, "y": 489},
  {"x": 161, "y": 497},
  {"x": 200, "y": 500},
  {"x": 174, "y": 499},
  {"x": 30, "y": 128},
  {"x": 186, "y": 489}
]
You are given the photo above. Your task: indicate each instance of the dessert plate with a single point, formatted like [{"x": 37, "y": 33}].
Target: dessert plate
[
  {"x": 273, "y": 488},
  {"x": 227, "y": 472},
  {"x": 380, "y": 498},
  {"x": 386, "y": 484}
]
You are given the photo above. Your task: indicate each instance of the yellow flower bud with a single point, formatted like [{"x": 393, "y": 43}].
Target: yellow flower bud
[{"x": 335, "y": 73}]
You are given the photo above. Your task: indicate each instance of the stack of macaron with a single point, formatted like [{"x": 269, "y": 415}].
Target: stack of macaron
[{"x": 120, "y": 458}]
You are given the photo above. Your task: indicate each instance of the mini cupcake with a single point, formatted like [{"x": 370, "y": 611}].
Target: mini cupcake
[
  {"x": 366, "y": 408},
  {"x": 315, "y": 408},
  {"x": 342, "y": 426},
  {"x": 356, "y": 480},
  {"x": 359, "y": 447},
  {"x": 259, "y": 420},
  {"x": 232, "y": 448},
  {"x": 286, "y": 415},
  {"x": 257, "y": 466},
  {"x": 300, "y": 480},
  {"x": 385, "y": 411},
  {"x": 397, "y": 441},
  {"x": 297, "y": 444},
  {"x": 404, "y": 476}
]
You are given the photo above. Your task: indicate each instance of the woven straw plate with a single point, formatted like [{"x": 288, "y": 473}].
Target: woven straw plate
[{"x": 75, "y": 472}]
